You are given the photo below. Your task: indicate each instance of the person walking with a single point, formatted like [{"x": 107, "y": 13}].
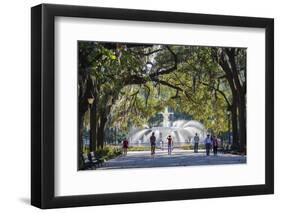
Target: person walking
[
  {"x": 152, "y": 143},
  {"x": 196, "y": 143},
  {"x": 125, "y": 146},
  {"x": 170, "y": 144},
  {"x": 208, "y": 143},
  {"x": 215, "y": 145}
]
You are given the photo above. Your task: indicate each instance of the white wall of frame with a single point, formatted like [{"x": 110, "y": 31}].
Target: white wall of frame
[
  {"x": 15, "y": 105},
  {"x": 70, "y": 182}
]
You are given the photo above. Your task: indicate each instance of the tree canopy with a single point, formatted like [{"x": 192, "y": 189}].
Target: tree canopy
[{"x": 131, "y": 83}]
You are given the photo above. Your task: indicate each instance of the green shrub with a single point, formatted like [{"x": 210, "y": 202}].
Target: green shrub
[
  {"x": 139, "y": 148},
  {"x": 187, "y": 146},
  {"x": 191, "y": 146},
  {"x": 108, "y": 152}
]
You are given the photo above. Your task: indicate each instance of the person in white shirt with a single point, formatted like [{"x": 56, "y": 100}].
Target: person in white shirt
[{"x": 208, "y": 143}]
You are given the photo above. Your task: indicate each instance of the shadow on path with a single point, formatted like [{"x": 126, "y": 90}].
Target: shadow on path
[{"x": 143, "y": 159}]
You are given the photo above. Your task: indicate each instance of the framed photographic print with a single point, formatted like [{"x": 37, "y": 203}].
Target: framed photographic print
[{"x": 140, "y": 106}]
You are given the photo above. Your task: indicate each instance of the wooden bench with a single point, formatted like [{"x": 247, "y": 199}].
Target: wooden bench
[
  {"x": 98, "y": 161},
  {"x": 88, "y": 162}
]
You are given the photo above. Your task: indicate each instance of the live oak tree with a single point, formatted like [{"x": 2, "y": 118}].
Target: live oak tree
[{"x": 233, "y": 62}]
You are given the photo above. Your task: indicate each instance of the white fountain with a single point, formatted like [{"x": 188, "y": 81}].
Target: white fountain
[{"x": 182, "y": 131}]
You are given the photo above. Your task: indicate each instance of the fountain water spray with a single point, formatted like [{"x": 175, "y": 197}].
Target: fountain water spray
[{"x": 182, "y": 131}]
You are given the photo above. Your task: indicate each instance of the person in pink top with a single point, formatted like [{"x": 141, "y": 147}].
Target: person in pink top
[
  {"x": 170, "y": 144},
  {"x": 125, "y": 146},
  {"x": 215, "y": 145}
]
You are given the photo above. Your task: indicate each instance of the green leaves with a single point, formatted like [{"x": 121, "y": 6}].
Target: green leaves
[{"x": 129, "y": 80}]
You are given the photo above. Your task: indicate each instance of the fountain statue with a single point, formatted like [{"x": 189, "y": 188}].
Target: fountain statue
[{"x": 166, "y": 117}]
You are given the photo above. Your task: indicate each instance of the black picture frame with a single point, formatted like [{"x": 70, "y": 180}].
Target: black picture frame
[{"x": 43, "y": 117}]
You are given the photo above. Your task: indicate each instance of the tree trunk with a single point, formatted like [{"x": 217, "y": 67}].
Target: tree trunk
[
  {"x": 83, "y": 106},
  {"x": 93, "y": 127},
  {"x": 239, "y": 100},
  {"x": 235, "y": 138},
  {"x": 80, "y": 140},
  {"x": 100, "y": 133},
  {"x": 242, "y": 123}
]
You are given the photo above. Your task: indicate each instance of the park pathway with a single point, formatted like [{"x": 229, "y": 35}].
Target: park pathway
[{"x": 143, "y": 159}]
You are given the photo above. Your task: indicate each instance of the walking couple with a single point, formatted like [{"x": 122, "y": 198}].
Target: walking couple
[
  {"x": 211, "y": 141},
  {"x": 153, "y": 144}
]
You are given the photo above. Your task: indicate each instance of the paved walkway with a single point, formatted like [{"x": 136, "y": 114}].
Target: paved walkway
[{"x": 143, "y": 159}]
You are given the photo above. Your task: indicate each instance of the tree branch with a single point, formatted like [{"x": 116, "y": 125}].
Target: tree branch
[
  {"x": 231, "y": 57},
  {"x": 163, "y": 71},
  {"x": 218, "y": 90}
]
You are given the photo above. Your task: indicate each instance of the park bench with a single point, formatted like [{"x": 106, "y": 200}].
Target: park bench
[
  {"x": 99, "y": 161},
  {"x": 90, "y": 161},
  {"x": 87, "y": 163}
]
